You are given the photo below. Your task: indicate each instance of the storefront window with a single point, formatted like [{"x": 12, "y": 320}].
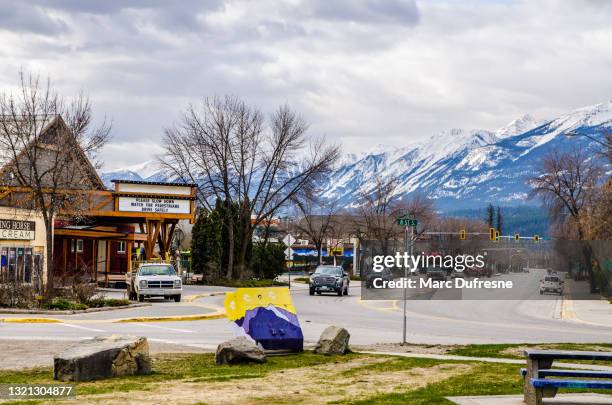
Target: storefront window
[
  {"x": 3, "y": 263},
  {"x": 16, "y": 264}
]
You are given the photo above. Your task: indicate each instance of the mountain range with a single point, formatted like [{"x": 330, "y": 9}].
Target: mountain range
[{"x": 458, "y": 168}]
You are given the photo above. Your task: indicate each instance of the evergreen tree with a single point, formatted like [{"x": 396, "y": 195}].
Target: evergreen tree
[
  {"x": 212, "y": 235},
  {"x": 499, "y": 220},
  {"x": 490, "y": 215},
  {"x": 198, "y": 243}
]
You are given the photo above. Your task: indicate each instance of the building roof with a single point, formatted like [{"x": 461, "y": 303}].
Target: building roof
[
  {"x": 54, "y": 122},
  {"x": 155, "y": 183}
]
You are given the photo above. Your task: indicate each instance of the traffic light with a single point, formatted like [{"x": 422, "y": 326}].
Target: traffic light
[
  {"x": 496, "y": 235},
  {"x": 517, "y": 237},
  {"x": 491, "y": 233},
  {"x": 462, "y": 234},
  {"x": 536, "y": 238}
]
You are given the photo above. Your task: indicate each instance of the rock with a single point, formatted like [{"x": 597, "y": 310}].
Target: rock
[
  {"x": 103, "y": 357},
  {"x": 333, "y": 340},
  {"x": 239, "y": 350}
]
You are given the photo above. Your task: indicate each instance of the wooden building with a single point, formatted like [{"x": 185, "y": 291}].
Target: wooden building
[{"x": 105, "y": 231}]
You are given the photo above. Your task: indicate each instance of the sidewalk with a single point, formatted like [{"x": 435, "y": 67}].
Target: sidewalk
[
  {"x": 582, "y": 306},
  {"x": 522, "y": 362}
]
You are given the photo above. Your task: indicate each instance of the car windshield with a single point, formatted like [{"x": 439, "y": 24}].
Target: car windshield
[
  {"x": 329, "y": 270},
  {"x": 552, "y": 279},
  {"x": 156, "y": 271}
]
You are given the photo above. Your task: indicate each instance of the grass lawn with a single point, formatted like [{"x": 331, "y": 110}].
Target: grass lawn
[{"x": 302, "y": 378}]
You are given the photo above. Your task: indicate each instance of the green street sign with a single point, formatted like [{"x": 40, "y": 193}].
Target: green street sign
[{"x": 407, "y": 222}]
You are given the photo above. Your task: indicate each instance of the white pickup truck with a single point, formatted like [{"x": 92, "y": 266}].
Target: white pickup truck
[
  {"x": 154, "y": 280},
  {"x": 551, "y": 283}
]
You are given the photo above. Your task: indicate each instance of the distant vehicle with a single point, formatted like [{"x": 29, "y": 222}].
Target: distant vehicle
[
  {"x": 384, "y": 275},
  {"x": 457, "y": 274},
  {"x": 551, "y": 283},
  {"x": 479, "y": 272},
  {"x": 154, "y": 280},
  {"x": 436, "y": 273},
  {"x": 329, "y": 279}
]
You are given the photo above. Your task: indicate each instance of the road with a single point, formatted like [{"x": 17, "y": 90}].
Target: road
[{"x": 369, "y": 322}]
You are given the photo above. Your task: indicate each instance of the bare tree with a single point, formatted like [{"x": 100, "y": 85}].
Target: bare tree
[
  {"x": 47, "y": 143},
  {"x": 567, "y": 184},
  {"x": 225, "y": 147},
  {"x": 316, "y": 221},
  {"x": 377, "y": 211}
]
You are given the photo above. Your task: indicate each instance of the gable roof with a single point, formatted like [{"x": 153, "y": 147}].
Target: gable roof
[{"x": 49, "y": 133}]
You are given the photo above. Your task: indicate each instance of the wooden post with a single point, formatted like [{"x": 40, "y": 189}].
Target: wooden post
[
  {"x": 107, "y": 270},
  {"x": 532, "y": 395},
  {"x": 65, "y": 252},
  {"x": 128, "y": 250},
  {"x": 94, "y": 259}
]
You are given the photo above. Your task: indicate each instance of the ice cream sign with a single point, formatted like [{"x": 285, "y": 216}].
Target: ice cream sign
[
  {"x": 154, "y": 205},
  {"x": 17, "y": 230}
]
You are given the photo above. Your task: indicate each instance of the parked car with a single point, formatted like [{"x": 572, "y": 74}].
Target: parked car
[
  {"x": 329, "y": 279},
  {"x": 551, "y": 283},
  {"x": 154, "y": 280},
  {"x": 436, "y": 273},
  {"x": 384, "y": 275}
]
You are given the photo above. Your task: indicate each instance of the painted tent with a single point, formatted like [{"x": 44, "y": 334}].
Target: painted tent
[{"x": 265, "y": 315}]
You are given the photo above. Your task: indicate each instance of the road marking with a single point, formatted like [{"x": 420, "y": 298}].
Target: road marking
[
  {"x": 192, "y": 298},
  {"x": 395, "y": 307},
  {"x": 391, "y": 308},
  {"x": 165, "y": 328},
  {"x": 81, "y": 327}
]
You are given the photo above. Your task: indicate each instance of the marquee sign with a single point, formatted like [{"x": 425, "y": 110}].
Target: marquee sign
[
  {"x": 154, "y": 205},
  {"x": 17, "y": 230}
]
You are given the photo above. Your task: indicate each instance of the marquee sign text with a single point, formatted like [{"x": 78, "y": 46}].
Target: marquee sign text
[{"x": 154, "y": 205}]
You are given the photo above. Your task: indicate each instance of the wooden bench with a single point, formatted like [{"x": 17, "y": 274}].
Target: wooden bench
[{"x": 536, "y": 385}]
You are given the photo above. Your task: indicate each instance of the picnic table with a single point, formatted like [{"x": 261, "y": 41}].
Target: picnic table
[{"x": 537, "y": 383}]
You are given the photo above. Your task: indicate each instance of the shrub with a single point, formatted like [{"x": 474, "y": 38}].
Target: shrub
[
  {"x": 17, "y": 295},
  {"x": 62, "y": 304},
  {"x": 107, "y": 302}
]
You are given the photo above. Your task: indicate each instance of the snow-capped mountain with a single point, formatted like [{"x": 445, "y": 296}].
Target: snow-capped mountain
[
  {"x": 147, "y": 171},
  {"x": 462, "y": 169},
  {"x": 457, "y": 168}
]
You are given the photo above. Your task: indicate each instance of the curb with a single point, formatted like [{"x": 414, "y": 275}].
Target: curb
[
  {"x": 214, "y": 315},
  {"x": 203, "y": 295},
  {"x": 30, "y": 320},
  {"x": 219, "y": 314},
  {"x": 70, "y": 312}
]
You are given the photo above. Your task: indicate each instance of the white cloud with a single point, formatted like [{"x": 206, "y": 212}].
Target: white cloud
[{"x": 393, "y": 71}]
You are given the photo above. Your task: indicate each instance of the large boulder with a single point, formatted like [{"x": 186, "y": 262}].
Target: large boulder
[
  {"x": 333, "y": 340},
  {"x": 239, "y": 350},
  {"x": 103, "y": 357}
]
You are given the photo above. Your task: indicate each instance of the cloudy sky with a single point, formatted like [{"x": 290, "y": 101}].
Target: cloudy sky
[{"x": 361, "y": 72}]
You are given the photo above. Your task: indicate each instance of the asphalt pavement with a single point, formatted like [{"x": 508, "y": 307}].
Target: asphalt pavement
[{"x": 369, "y": 322}]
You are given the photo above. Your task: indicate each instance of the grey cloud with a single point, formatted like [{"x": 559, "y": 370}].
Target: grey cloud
[
  {"x": 367, "y": 11},
  {"x": 355, "y": 69},
  {"x": 22, "y": 17}
]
